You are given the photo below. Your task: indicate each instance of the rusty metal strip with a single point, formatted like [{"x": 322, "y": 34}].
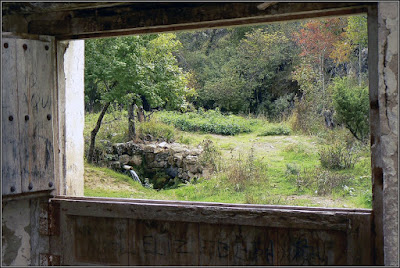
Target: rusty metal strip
[
  {"x": 54, "y": 219},
  {"x": 49, "y": 219},
  {"x": 46, "y": 259}
]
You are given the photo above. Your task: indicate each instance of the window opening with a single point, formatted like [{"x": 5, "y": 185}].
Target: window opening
[{"x": 266, "y": 114}]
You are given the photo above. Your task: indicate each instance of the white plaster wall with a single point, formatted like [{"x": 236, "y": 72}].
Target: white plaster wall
[
  {"x": 74, "y": 62},
  {"x": 16, "y": 248},
  {"x": 388, "y": 19}
]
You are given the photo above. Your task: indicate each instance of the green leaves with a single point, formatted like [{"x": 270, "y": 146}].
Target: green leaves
[
  {"x": 239, "y": 69},
  {"x": 131, "y": 68},
  {"x": 352, "y": 106}
]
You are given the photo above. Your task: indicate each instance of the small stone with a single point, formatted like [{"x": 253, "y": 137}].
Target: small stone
[
  {"x": 191, "y": 159},
  {"x": 136, "y": 160},
  {"x": 149, "y": 148},
  {"x": 124, "y": 159},
  {"x": 163, "y": 144}
]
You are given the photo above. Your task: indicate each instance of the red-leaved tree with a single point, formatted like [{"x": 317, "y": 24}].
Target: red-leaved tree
[{"x": 316, "y": 39}]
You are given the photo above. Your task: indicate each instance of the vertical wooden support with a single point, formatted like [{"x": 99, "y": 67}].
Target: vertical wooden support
[
  {"x": 27, "y": 98},
  {"x": 11, "y": 167},
  {"x": 375, "y": 129}
]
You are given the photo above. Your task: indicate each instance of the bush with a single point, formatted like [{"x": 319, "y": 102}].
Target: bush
[
  {"x": 211, "y": 121},
  {"x": 352, "y": 106},
  {"x": 157, "y": 130},
  {"x": 275, "y": 130},
  {"x": 336, "y": 156},
  {"x": 241, "y": 172},
  {"x": 292, "y": 169},
  {"x": 211, "y": 156},
  {"x": 321, "y": 182}
]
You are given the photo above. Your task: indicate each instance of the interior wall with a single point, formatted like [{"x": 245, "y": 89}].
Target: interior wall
[
  {"x": 388, "y": 36},
  {"x": 71, "y": 61},
  {"x": 16, "y": 228}
]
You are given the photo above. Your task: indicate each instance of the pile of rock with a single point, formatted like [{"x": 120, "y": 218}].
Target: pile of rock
[{"x": 174, "y": 159}]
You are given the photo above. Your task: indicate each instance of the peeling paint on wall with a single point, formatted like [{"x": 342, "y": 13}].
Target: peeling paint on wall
[
  {"x": 16, "y": 248},
  {"x": 74, "y": 61},
  {"x": 388, "y": 19}
]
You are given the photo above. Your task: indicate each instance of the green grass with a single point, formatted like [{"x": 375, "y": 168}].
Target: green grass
[{"x": 276, "y": 159}]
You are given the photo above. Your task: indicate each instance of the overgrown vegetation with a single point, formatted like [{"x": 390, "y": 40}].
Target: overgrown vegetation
[
  {"x": 154, "y": 129},
  {"x": 280, "y": 110},
  {"x": 352, "y": 106},
  {"x": 211, "y": 121},
  {"x": 274, "y": 129},
  {"x": 336, "y": 156}
]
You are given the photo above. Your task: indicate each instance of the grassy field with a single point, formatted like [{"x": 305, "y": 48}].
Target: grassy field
[{"x": 253, "y": 168}]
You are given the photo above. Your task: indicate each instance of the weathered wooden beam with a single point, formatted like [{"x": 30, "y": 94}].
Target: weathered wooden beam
[
  {"x": 212, "y": 204},
  {"x": 140, "y": 18},
  {"x": 45, "y": 7},
  {"x": 265, "y": 5},
  {"x": 223, "y": 214}
]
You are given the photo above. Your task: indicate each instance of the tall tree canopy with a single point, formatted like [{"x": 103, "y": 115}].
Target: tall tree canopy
[
  {"x": 132, "y": 69},
  {"x": 244, "y": 69}
]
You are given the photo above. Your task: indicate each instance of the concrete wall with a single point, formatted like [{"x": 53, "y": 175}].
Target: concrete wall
[
  {"x": 388, "y": 47},
  {"x": 16, "y": 246},
  {"x": 71, "y": 61},
  {"x": 74, "y": 62}
]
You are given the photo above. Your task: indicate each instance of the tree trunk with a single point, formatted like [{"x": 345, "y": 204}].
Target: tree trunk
[
  {"x": 359, "y": 64},
  {"x": 95, "y": 131},
  {"x": 323, "y": 80},
  {"x": 140, "y": 114},
  {"x": 131, "y": 121}
]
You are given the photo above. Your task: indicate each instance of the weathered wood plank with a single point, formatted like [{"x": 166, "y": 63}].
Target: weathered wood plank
[
  {"x": 210, "y": 204},
  {"x": 176, "y": 234},
  {"x": 24, "y": 71},
  {"x": 289, "y": 218},
  {"x": 138, "y": 18},
  {"x": 100, "y": 241},
  {"x": 36, "y": 83},
  {"x": 163, "y": 243},
  {"x": 311, "y": 247},
  {"x": 11, "y": 162},
  {"x": 237, "y": 245},
  {"x": 359, "y": 240}
]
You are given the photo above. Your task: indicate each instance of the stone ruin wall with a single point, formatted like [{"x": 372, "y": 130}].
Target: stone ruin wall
[{"x": 175, "y": 159}]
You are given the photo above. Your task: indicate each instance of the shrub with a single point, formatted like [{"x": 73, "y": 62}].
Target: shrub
[
  {"x": 240, "y": 172},
  {"x": 157, "y": 130},
  {"x": 211, "y": 121},
  {"x": 292, "y": 169},
  {"x": 352, "y": 106},
  {"x": 275, "y": 130},
  {"x": 211, "y": 156},
  {"x": 282, "y": 106},
  {"x": 336, "y": 156},
  {"x": 321, "y": 182}
]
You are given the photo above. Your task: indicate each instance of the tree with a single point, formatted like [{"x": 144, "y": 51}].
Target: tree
[
  {"x": 129, "y": 69},
  {"x": 317, "y": 38},
  {"x": 352, "y": 106},
  {"x": 264, "y": 57},
  {"x": 354, "y": 38},
  {"x": 243, "y": 69}
]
